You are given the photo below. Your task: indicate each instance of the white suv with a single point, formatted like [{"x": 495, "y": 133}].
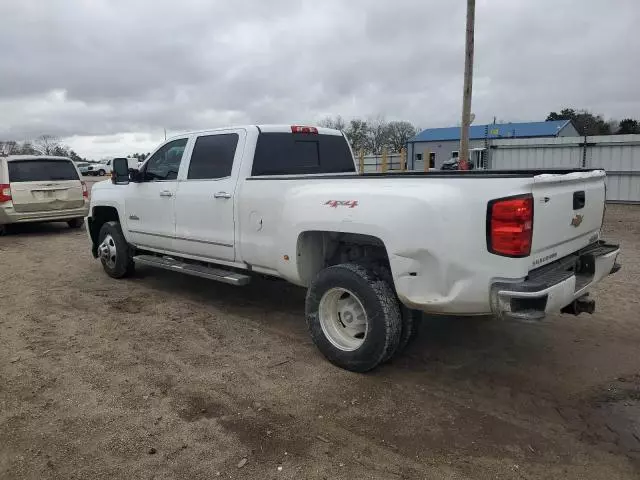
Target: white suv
[{"x": 41, "y": 189}]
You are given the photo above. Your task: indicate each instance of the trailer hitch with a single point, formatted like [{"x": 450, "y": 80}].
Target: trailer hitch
[{"x": 583, "y": 304}]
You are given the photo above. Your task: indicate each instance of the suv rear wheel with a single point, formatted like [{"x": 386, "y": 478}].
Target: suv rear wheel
[
  {"x": 353, "y": 317},
  {"x": 114, "y": 251},
  {"x": 101, "y": 172}
]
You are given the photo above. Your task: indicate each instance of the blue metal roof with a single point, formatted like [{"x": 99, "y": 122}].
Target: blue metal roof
[{"x": 496, "y": 130}]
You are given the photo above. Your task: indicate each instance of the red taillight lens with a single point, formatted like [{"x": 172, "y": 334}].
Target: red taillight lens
[
  {"x": 5, "y": 192},
  {"x": 510, "y": 226},
  {"x": 85, "y": 192},
  {"x": 301, "y": 129}
]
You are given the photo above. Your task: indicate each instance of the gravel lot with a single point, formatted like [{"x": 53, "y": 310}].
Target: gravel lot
[{"x": 165, "y": 376}]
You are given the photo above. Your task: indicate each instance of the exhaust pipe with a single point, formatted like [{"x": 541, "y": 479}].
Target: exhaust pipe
[{"x": 580, "y": 305}]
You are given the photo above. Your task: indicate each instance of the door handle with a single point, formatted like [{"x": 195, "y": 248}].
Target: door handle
[
  {"x": 166, "y": 193},
  {"x": 224, "y": 195}
]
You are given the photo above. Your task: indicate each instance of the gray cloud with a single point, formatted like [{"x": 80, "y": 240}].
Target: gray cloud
[{"x": 103, "y": 68}]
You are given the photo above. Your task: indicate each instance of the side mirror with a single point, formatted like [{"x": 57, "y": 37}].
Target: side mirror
[
  {"x": 120, "y": 171},
  {"x": 135, "y": 175}
]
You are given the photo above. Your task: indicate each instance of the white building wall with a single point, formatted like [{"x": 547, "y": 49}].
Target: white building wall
[{"x": 618, "y": 155}]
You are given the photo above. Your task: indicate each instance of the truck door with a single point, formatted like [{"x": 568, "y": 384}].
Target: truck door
[
  {"x": 205, "y": 200},
  {"x": 150, "y": 204}
]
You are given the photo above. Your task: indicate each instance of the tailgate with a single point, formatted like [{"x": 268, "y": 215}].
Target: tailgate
[
  {"x": 568, "y": 213},
  {"x": 44, "y": 185}
]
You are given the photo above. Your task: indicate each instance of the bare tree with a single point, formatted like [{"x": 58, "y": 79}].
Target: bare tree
[
  {"x": 399, "y": 133},
  {"x": 61, "y": 151},
  {"x": 356, "y": 132},
  {"x": 7, "y": 148},
  {"x": 47, "y": 145},
  {"x": 377, "y": 135},
  {"x": 330, "y": 122},
  {"x": 25, "y": 148}
]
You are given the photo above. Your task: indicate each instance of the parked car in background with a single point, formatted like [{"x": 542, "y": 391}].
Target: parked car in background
[
  {"x": 83, "y": 167},
  {"x": 41, "y": 189},
  {"x": 372, "y": 249},
  {"x": 132, "y": 162},
  {"x": 453, "y": 164},
  {"x": 104, "y": 168},
  {"x": 477, "y": 160},
  {"x": 99, "y": 169}
]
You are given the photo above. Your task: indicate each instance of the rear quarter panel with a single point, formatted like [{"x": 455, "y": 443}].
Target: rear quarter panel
[{"x": 434, "y": 230}]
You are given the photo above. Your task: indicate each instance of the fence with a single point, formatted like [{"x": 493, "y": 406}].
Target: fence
[
  {"x": 385, "y": 162},
  {"x": 376, "y": 163},
  {"x": 618, "y": 155}
]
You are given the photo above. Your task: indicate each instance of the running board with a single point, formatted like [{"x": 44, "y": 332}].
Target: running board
[{"x": 168, "y": 263}]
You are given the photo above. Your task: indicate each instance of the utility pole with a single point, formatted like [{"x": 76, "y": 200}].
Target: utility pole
[{"x": 468, "y": 84}]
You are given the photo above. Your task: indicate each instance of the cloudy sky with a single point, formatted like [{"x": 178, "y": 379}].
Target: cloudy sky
[{"x": 109, "y": 75}]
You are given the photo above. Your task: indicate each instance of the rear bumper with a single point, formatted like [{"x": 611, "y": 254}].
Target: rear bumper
[
  {"x": 9, "y": 215},
  {"x": 551, "y": 288}
]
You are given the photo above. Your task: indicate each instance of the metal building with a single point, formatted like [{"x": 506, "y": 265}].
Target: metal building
[
  {"x": 618, "y": 155},
  {"x": 436, "y": 145}
]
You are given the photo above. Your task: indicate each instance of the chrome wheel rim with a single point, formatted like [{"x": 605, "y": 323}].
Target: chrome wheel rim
[
  {"x": 107, "y": 251},
  {"x": 343, "y": 319}
]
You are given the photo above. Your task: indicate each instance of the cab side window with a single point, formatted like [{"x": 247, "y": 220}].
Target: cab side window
[
  {"x": 212, "y": 156},
  {"x": 165, "y": 163}
]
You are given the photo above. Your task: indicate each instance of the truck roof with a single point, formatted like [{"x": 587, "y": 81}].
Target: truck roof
[
  {"x": 266, "y": 128},
  {"x": 35, "y": 157}
]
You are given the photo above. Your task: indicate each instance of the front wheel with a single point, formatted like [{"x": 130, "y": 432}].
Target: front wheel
[
  {"x": 114, "y": 251},
  {"x": 353, "y": 317}
]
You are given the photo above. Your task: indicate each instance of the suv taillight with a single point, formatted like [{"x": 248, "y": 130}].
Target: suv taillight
[
  {"x": 85, "y": 192},
  {"x": 5, "y": 192},
  {"x": 510, "y": 226}
]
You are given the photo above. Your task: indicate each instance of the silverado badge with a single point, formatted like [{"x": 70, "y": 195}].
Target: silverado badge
[
  {"x": 577, "y": 220},
  {"x": 342, "y": 203}
]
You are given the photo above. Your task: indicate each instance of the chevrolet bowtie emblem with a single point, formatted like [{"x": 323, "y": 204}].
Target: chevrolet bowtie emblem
[{"x": 577, "y": 220}]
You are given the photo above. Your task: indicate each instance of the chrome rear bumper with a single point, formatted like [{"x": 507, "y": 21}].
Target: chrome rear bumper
[{"x": 553, "y": 287}]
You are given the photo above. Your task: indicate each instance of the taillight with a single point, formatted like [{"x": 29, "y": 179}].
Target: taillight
[
  {"x": 85, "y": 192},
  {"x": 301, "y": 129},
  {"x": 5, "y": 192},
  {"x": 510, "y": 226}
]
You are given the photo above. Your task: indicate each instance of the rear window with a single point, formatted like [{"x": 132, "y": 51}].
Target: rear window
[
  {"x": 41, "y": 170},
  {"x": 293, "y": 154}
]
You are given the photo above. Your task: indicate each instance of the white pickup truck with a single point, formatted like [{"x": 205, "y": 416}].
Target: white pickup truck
[
  {"x": 373, "y": 250},
  {"x": 103, "y": 168}
]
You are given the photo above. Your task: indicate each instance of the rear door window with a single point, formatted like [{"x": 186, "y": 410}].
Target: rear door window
[
  {"x": 212, "y": 156},
  {"x": 41, "y": 170},
  {"x": 293, "y": 154}
]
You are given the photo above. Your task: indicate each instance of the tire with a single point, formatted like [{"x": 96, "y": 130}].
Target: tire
[
  {"x": 3, "y": 230},
  {"x": 114, "y": 251},
  {"x": 358, "y": 289},
  {"x": 76, "y": 223},
  {"x": 101, "y": 173},
  {"x": 411, "y": 320}
]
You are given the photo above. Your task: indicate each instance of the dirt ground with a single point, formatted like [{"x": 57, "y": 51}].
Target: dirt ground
[{"x": 165, "y": 376}]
